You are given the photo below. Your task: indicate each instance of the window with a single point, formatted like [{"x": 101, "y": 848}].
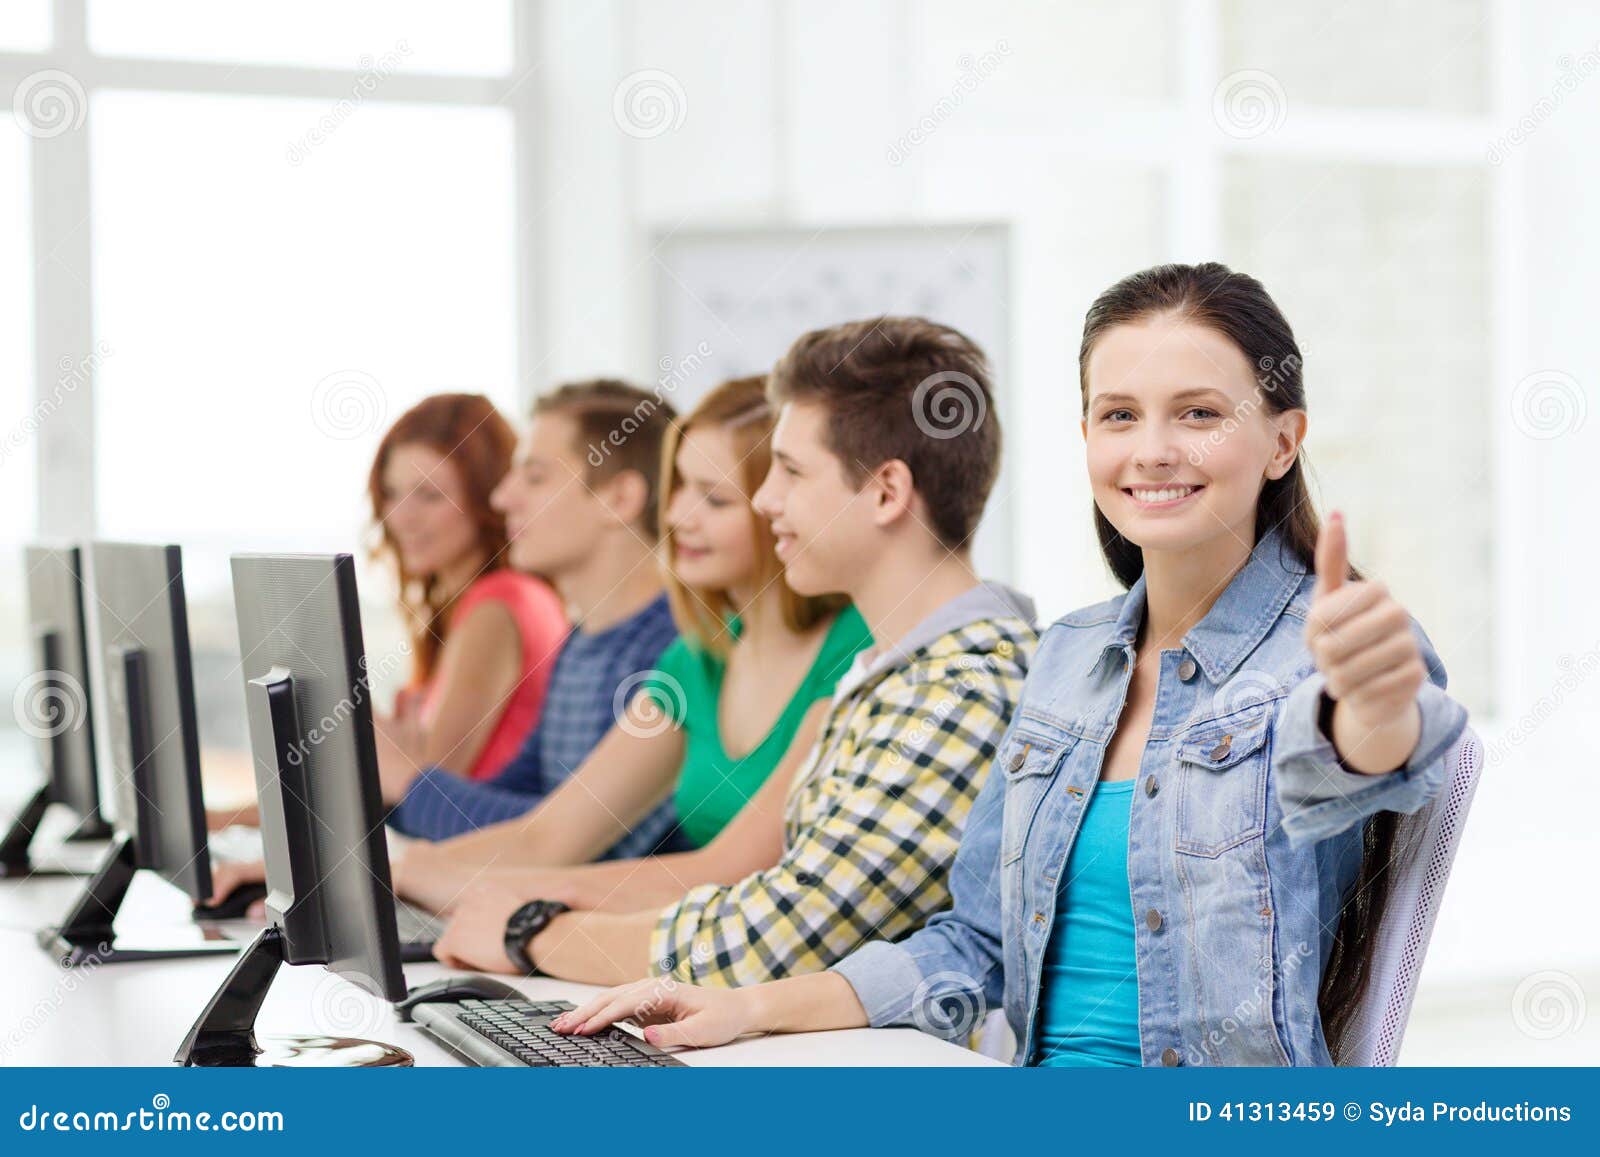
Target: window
[
  {"x": 276, "y": 272},
  {"x": 19, "y": 415},
  {"x": 267, "y": 318},
  {"x": 26, "y": 27},
  {"x": 463, "y": 36},
  {"x": 1385, "y": 276},
  {"x": 1425, "y": 55}
]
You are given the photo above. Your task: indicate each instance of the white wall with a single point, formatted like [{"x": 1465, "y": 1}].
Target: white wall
[
  {"x": 1527, "y": 871},
  {"x": 791, "y": 111},
  {"x": 1094, "y": 136},
  {"x": 1085, "y": 139}
]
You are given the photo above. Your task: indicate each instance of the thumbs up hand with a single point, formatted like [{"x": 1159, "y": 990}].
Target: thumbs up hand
[{"x": 1362, "y": 643}]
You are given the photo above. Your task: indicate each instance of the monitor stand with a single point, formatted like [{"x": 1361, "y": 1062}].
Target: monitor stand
[
  {"x": 15, "y": 863},
  {"x": 88, "y": 830},
  {"x": 16, "y": 860},
  {"x": 87, "y": 934},
  {"x": 225, "y": 1034}
]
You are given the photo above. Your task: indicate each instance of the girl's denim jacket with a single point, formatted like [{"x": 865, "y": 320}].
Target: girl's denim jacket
[{"x": 1244, "y": 835}]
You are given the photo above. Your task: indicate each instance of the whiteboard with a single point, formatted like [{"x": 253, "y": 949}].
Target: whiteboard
[{"x": 728, "y": 303}]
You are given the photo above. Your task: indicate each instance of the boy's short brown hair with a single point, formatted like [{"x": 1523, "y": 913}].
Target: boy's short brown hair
[
  {"x": 620, "y": 428},
  {"x": 910, "y": 389}
]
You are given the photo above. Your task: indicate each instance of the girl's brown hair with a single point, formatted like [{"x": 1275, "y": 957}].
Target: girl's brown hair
[
  {"x": 1238, "y": 307},
  {"x": 740, "y": 408},
  {"x": 467, "y": 430}
]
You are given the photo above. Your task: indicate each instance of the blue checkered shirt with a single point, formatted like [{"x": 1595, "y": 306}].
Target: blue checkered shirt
[{"x": 578, "y": 711}]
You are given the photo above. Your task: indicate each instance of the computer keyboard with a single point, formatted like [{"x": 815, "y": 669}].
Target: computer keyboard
[
  {"x": 416, "y": 923},
  {"x": 509, "y": 1033},
  {"x": 418, "y": 928},
  {"x": 235, "y": 844}
]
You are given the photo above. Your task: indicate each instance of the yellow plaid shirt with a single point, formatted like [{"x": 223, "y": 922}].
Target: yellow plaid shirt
[{"x": 872, "y": 822}]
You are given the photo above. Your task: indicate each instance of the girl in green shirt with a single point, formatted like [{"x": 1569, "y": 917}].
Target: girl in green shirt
[
  {"x": 692, "y": 686},
  {"x": 733, "y": 706}
]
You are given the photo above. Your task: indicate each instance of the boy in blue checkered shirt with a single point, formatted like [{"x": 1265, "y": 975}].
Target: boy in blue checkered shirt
[{"x": 580, "y": 505}]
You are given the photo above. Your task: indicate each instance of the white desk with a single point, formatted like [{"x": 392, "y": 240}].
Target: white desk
[{"x": 138, "y": 1013}]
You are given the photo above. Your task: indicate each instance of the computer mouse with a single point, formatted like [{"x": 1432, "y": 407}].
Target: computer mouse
[
  {"x": 234, "y": 905},
  {"x": 453, "y": 988}
]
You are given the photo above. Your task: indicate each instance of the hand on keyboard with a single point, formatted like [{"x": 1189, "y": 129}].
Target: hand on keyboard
[
  {"x": 226, "y": 877},
  {"x": 522, "y": 1028}
]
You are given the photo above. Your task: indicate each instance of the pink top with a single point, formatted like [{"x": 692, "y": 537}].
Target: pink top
[{"x": 542, "y": 624}]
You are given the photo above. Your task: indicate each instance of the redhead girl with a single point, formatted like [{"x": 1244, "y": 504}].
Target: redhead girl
[
  {"x": 1179, "y": 854},
  {"x": 483, "y": 636}
]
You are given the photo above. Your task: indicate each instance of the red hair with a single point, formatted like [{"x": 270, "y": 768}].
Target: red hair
[{"x": 469, "y": 432}]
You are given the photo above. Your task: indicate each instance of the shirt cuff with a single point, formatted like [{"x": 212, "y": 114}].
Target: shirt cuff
[
  {"x": 1319, "y": 798},
  {"x": 886, "y": 979},
  {"x": 411, "y": 813},
  {"x": 671, "y": 934}
]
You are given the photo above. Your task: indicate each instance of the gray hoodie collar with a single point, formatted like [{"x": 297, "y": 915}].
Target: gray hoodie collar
[{"x": 990, "y": 599}]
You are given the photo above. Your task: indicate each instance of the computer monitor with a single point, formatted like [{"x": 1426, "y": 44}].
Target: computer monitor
[
  {"x": 329, "y": 898},
  {"x": 147, "y": 690},
  {"x": 54, "y": 708}
]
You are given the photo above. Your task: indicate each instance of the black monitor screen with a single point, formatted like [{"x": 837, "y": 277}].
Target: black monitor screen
[
  {"x": 316, "y": 765},
  {"x": 54, "y": 704},
  {"x": 153, "y": 742}
]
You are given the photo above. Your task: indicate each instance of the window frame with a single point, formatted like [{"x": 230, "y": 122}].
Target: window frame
[
  {"x": 1173, "y": 139},
  {"x": 62, "y": 226},
  {"x": 1193, "y": 160}
]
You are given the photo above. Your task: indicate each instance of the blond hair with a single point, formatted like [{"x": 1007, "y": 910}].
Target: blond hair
[{"x": 739, "y": 407}]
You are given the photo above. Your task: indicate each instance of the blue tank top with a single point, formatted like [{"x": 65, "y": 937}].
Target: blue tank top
[{"x": 1089, "y": 1000}]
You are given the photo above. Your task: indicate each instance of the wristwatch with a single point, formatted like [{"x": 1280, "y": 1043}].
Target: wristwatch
[{"x": 526, "y": 923}]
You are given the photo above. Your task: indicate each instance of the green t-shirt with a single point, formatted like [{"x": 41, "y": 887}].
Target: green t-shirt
[{"x": 687, "y": 683}]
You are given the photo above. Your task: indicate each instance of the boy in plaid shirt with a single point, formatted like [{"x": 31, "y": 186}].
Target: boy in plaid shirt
[{"x": 883, "y": 459}]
